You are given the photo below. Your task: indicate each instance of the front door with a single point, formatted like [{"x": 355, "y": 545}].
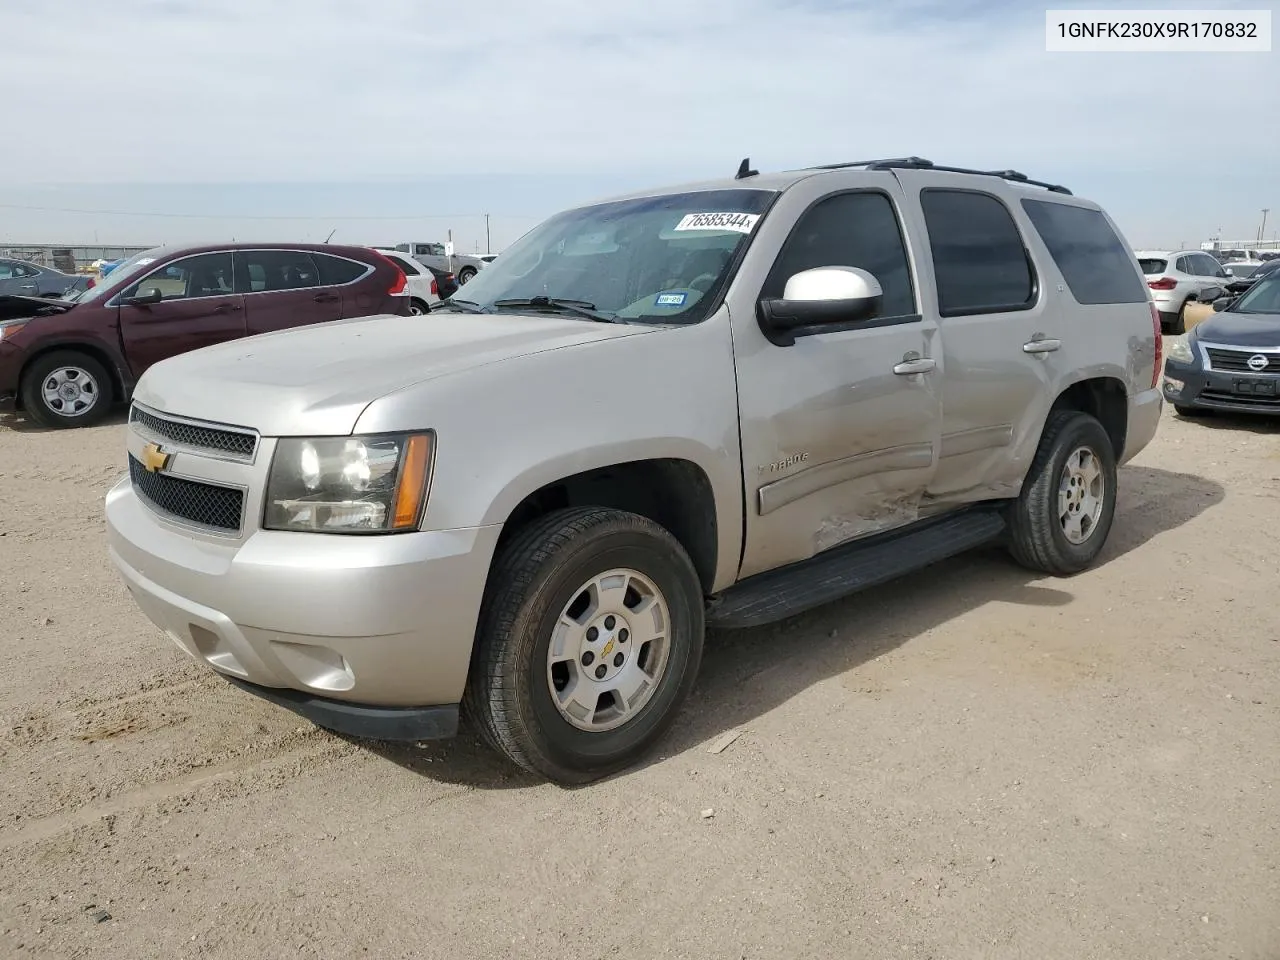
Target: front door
[
  {"x": 199, "y": 307},
  {"x": 839, "y": 435},
  {"x": 282, "y": 289}
]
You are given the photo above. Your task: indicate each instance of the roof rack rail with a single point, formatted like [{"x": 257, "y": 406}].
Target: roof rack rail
[{"x": 919, "y": 163}]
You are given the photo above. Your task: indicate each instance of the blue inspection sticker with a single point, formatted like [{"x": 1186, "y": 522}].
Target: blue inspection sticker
[{"x": 671, "y": 299}]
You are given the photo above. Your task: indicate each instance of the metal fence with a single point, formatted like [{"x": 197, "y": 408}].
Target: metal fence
[{"x": 62, "y": 255}]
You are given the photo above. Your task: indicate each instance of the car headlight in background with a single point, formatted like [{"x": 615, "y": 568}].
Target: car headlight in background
[
  {"x": 1180, "y": 350},
  {"x": 374, "y": 484}
]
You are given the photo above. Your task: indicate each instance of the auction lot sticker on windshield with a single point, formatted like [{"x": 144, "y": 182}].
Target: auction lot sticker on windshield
[{"x": 740, "y": 222}]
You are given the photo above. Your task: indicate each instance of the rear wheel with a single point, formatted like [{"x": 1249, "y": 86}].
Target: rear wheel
[
  {"x": 1178, "y": 325},
  {"x": 1060, "y": 521},
  {"x": 418, "y": 308},
  {"x": 465, "y": 274},
  {"x": 589, "y": 641},
  {"x": 66, "y": 388}
]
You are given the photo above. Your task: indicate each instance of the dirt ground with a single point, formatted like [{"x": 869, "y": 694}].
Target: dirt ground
[{"x": 970, "y": 763}]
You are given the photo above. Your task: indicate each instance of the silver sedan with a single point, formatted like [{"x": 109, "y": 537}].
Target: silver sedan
[{"x": 21, "y": 278}]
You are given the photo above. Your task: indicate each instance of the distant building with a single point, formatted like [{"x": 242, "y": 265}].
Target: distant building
[{"x": 62, "y": 256}]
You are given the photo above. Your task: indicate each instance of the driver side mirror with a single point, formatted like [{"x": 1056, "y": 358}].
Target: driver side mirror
[
  {"x": 1209, "y": 294},
  {"x": 818, "y": 299},
  {"x": 142, "y": 299},
  {"x": 1221, "y": 304}
]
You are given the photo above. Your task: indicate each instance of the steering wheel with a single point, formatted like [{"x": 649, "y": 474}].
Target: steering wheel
[{"x": 709, "y": 277}]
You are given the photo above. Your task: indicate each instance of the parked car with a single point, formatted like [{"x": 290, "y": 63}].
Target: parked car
[
  {"x": 1232, "y": 360},
  {"x": 446, "y": 282},
  {"x": 424, "y": 291},
  {"x": 464, "y": 265},
  {"x": 750, "y": 400},
  {"x": 1238, "y": 284},
  {"x": 1176, "y": 278},
  {"x": 67, "y": 361},
  {"x": 24, "y": 279}
]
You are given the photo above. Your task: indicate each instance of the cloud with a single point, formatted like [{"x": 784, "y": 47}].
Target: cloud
[
  {"x": 321, "y": 89},
  {"x": 149, "y": 91}
]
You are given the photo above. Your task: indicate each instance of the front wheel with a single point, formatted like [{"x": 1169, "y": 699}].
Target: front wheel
[
  {"x": 466, "y": 274},
  {"x": 1061, "y": 519},
  {"x": 589, "y": 641},
  {"x": 66, "y": 388}
]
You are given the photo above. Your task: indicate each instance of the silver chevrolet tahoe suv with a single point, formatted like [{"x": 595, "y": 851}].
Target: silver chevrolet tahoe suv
[{"x": 719, "y": 404}]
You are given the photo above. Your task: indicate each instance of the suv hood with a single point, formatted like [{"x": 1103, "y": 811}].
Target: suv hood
[
  {"x": 316, "y": 381},
  {"x": 13, "y": 307}
]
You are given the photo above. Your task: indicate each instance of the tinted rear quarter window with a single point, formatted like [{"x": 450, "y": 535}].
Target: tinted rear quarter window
[
  {"x": 979, "y": 260},
  {"x": 335, "y": 270},
  {"x": 1093, "y": 261},
  {"x": 409, "y": 269}
]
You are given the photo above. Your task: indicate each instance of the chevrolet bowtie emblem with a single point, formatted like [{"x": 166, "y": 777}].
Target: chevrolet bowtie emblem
[{"x": 154, "y": 459}]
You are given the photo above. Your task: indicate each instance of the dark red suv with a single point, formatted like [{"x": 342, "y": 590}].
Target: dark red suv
[{"x": 67, "y": 361}]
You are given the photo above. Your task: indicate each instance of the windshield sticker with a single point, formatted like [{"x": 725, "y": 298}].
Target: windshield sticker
[
  {"x": 738, "y": 222},
  {"x": 671, "y": 299}
]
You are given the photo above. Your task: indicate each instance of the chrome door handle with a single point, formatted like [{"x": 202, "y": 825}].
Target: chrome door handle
[
  {"x": 1041, "y": 346},
  {"x": 919, "y": 365}
]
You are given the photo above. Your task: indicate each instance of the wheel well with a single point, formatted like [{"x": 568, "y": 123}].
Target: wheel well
[
  {"x": 676, "y": 494},
  {"x": 117, "y": 381},
  {"x": 1104, "y": 399}
]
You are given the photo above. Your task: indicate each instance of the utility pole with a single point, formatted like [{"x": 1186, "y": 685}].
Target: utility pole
[
  {"x": 487, "y": 248},
  {"x": 1262, "y": 230}
]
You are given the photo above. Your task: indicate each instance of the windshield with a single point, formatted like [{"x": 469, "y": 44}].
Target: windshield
[
  {"x": 114, "y": 280},
  {"x": 1151, "y": 266},
  {"x": 1262, "y": 297},
  {"x": 657, "y": 259}
]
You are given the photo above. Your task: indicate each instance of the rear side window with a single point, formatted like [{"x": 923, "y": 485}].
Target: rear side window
[
  {"x": 849, "y": 230},
  {"x": 979, "y": 260},
  {"x": 335, "y": 271},
  {"x": 266, "y": 270},
  {"x": 409, "y": 269},
  {"x": 1093, "y": 261},
  {"x": 1153, "y": 266}
]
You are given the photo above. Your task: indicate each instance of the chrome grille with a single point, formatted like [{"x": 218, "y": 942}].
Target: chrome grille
[
  {"x": 204, "y": 504},
  {"x": 225, "y": 441},
  {"x": 1231, "y": 360}
]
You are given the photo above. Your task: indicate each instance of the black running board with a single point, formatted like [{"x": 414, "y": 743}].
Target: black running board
[{"x": 778, "y": 594}]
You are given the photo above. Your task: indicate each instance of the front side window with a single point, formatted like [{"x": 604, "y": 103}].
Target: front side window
[
  {"x": 1093, "y": 261},
  {"x": 204, "y": 275},
  {"x": 264, "y": 271},
  {"x": 652, "y": 259},
  {"x": 849, "y": 230},
  {"x": 979, "y": 260}
]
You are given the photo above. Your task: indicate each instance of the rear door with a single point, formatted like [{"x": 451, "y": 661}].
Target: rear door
[
  {"x": 349, "y": 281},
  {"x": 986, "y": 301},
  {"x": 282, "y": 289},
  {"x": 199, "y": 307}
]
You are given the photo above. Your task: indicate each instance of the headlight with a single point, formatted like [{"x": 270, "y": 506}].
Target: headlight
[
  {"x": 1180, "y": 350},
  {"x": 10, "y": 328},
  {"x": 349, "y": 484}
]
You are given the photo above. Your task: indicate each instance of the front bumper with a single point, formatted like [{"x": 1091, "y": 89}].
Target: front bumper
[
  {"x": 1190, "y": 385},
  {"x": 368, "y": 635}
]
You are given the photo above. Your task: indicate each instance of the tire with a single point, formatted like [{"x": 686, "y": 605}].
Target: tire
[
  {"x": 1038, "y": 534},
  {"x": 1178, "y": 325},
  {"x": 465, "y": 274},
  {"x": 534, "y": 581},
  {"x": 418, "y": 308},
  {"x": 77, "y": 370}
]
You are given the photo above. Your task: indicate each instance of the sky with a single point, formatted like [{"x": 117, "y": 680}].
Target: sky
[{"x": 158, "y": 121}]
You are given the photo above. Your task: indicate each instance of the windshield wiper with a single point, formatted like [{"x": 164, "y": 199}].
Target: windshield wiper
[
  {"x": 466, "y": 306},
  {"x": 580, "y": 308}
]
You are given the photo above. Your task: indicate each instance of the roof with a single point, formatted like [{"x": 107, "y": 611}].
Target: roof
[
  {"x": 187, "y": 249},
  {"x": 782, "y": 180}
]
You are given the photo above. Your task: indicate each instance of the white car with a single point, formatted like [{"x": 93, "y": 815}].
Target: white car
[
  {"x": 424, "y": 292},
  {"x": 1176, "y": 278}
]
